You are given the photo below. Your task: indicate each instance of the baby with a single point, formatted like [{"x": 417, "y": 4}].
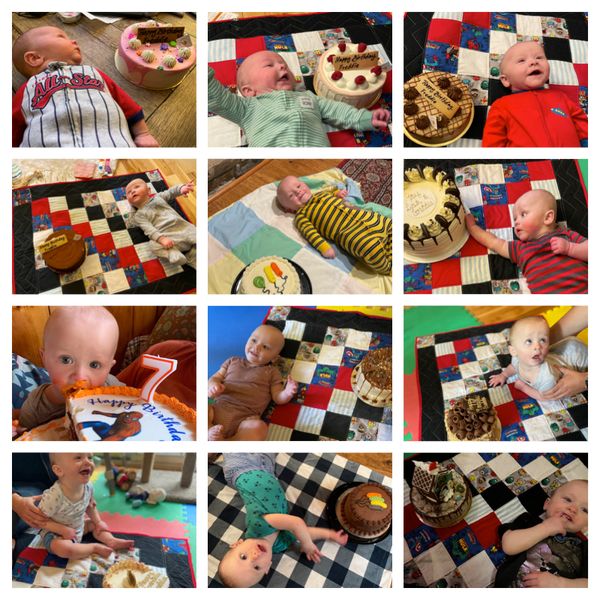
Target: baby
[
  {"x": 552, "y": 259},
  {"x": 79, "y": 344},
  {"x": 66, "y": 103},
  {"x": 243, "y": 388},
  {"x": 171, "y": 236},
  {"x": 271, "y": 113},
  {"x": 325, "y": 217},
  {"x": 269, "y": 527},
  {"x": 67, "y": 503},
  {"x": 548, "y": 552},
  {"x": 535, "y": 363},
  {"x": 532, "y": 115}
]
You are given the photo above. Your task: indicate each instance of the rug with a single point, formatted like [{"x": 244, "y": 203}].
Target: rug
[{"x": 374, "y": 176}]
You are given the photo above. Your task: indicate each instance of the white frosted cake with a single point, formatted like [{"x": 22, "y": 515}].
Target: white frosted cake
[
  {"x": 130, "y": 573},
  {"x": 270, "y": 275},
  {"x": 434, "y": 217},
  {"x": 372, "y": 378},
  {"x": 337, "y": 77}
]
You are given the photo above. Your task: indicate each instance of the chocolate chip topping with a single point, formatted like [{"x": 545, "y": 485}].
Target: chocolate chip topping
[
  {"x": 411, "y": 108},
  {"x": 454, "y": 93},
  {"x": 444, "y": 83},
  {"x": 422, "y": 123},
  {"x": 410, "y": 93}
]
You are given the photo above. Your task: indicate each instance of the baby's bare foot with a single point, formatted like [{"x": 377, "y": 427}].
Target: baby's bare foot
[
  {"x": 119, "y": 544},
  {"x": 102, "y": 550},
  {"x": 215, "y": 433}
]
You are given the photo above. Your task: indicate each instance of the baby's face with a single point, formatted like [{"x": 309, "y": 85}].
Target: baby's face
[
  {"x": 137, "y": 192},
  {"x": 530, "y": 342},
  {"x": 247, "y": 562},
  {"x": 263, "y": 345},
  {"x": 293, "y": 193},
  {"x": 73, "y": 468},
  {"x": 525, "y": 67},
  {"x": 54, "y": 44},
  {"x": 265, "y": 72},
  {"x": 570, "y": 503},
  {"x": 530, "y": 216}
]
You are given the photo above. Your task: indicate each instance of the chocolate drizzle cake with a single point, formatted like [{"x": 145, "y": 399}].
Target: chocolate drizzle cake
[
  {"x": 473, "y": 419},
  {"x": 365, "y": 511},
  {"x": 372, "y": 378}
]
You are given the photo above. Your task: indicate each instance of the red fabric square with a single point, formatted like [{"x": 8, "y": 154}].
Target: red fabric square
[
  {"x": 128, "y": 257},
  {"x": 246, "y": 46},
  {"x": 40, "y": 207},
  {"x": 462, "y": 345},
  {"x": 497, "y": 216},
  {"x": 508, "y": 414},
  {"x": 411, "y": 520},
  {"x": 342, "y": 139},
  {"x": 35, "y": 555},
  {"x": 83, "y": 229},
  {"x": 154, "y": 270},
  {"x": 286, "y": 415},
  {"x": 60, "y": 218},
  {"x": 225, "y": 71},
  {"x": 344, "y": 379},
  {"x": 515, "y": 189},
  {"x": 570, "y": 91},
  {"x": 582, "y": 73},
  {"x": 445, "y": 532},
  {"x": 445, "y": 273},
  {"x": 318, "y": 396},
  {"x": 517, "y": 394},
  {"x": 480, "y": 19},
  {"x": 540, "y": 169},
  {"x": 473, "y": 248},
  {"x": 104, "y": 242},
  {"x": 446, "y": 361},
  {"x": 486, "y": 530},
  {"x": 446, "y": 31}
]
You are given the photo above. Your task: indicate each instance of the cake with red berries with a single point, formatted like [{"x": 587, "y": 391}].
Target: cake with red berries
[{"x": 350, "y": 73}]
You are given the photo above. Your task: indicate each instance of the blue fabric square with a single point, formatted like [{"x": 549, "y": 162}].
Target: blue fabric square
[
  {"x": 417, "y": 277},
  {"x": 466, "y": 356},
  {"x": 559, "y": 459},
  {"x": 109, "y": 260},
  {"x": 421, "y": 539},
  {"x": 41, "y": 222},
  {"x": 475, "y": 38},
  {"x": 301, "y": 393},
  {"x": 496, "y": 555},
  {"x": 280, "y": 43},
  {"x": 119, "y": 193},
  {"x": 494, "y": 193},
  {"x": 441, "y": 57},
  {"x": 379, "y": 340},
  {"x": 524, "y": 458},
  {"x": 504, "y": 22},
  {"x": 462, "y": 546},
  {"x": 52, "y": 560},
  {"x": 487, "y": 456},
  {"x": 352, "y": 357},
  {"x": 479, "y": 340},
  {"x": 514, "y": 433},
  {"x": 515, "y": 172},
  {"x": 528, "y": 408},
  {"x": 325, "y": 375},
  {"x": 90, "y": 244},
  {"x": 234, "y": 225},
  {"x": 24, "y": 570},
  {"x": 450, "y": 374},
  {"x": 377, "y": 18},
  {"x": 25, "y": 378},
  {"x": 172, "y": 546},
  {"x": 135, "y": 276},
  {"x": 21, "y": 196},
  {"x": 477, "y": 212},
  {"x": 583, "y": 98}
]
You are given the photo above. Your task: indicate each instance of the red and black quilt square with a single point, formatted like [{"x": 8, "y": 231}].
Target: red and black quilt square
[
  {"x": 582, "y": 74},
  {"x": 446, "y": 361},
  {"x": 104, "y": 242},
  {"x": 290, "y": 348},
  {"x": 577, "y": 26},
  {"x": 445, "y": 273},
  {"x": 486, "y": 530},
  {"x": 447, "y": 31},
  {"x": 540, "y": 170},
  {"x": 496, "y": 216},
  {"x": 362, "y": 410},
  {"x": 137, "y": 235},
  {"x": 225, "y": 71},
  {"x": 557, "y": 49},
  {"x": 75, "y": 287},
  {"x": 462, "y": 345},
  {"x": 83, "y": 229},
  {"x": 480, "y": 19},
  {"x": 60, "y": 218},
  {"x": 476, "y": 129},
  {"x": 154, "y": 270},
  {"x": 285, "y": 415},
  {"x": 502, "y": 268},
  {"x": 344, "y": 379},
  {"x": 314, "y": 332},
  {"x": 472, "y": 248},
  {"x": 515, "y": 189},
  {"x": 508, "y": 413},
  {"x": 516, "y": 393},
  {"x": 485, "y": 287},
  {"x": 116, "y": 223},
  {"x": 40, "y": 207},
  {"x": 336, "y": 426},
  {"x": 94, "y": 212},
  {"x": 74, "y": 201},
  {"x": 47, "y": 280},
  {"x": 533, "y": 498},
  {"x": 246, "y": 46},
  {"x": 318, "y": 396},
  {"x": 496, "y": 90},
  {"x": 303, "y": 436}
]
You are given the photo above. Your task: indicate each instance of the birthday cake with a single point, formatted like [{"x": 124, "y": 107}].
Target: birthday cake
[
  {"x": 129, "y": 573},
  {"x": 372, "y": 378},
  {"x": 63, "y": 251},
  {"x": 350, "y": 73},
  {"x": 438, "y": 108},
  {"x": 440, "y": 496},
  {"x": 434, "y": 217},
  {"x": 473, "y": 419},
  {"x": 365, "y": 511},
  {"x": 155, "y": 56},
  {"x": 270, "y": 275}
]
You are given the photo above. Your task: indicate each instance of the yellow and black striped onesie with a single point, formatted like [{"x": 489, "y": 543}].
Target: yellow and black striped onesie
[{"x": 363, "y": 234}]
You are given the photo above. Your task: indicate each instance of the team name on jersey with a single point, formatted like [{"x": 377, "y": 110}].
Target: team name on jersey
[{"x": 54, "y": 83}]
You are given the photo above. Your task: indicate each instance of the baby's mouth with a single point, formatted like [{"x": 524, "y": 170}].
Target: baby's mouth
[
  {"x": 85, "y": 472},
  {"x": 566, "y": 516},
  {"x": 534, "y": 73}
]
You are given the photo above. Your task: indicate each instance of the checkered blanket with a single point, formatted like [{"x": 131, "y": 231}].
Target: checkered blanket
[
  {"x": 471, "y": 45},
  {"x": 119, "y": 259},
  {"x": 255, "y": 227},
  {"x": 454, "y": 364},
  {"x": 36, "y": 567},
  {"x": 489, "y": 190},
  {"x": 300, "y": 39},
  {"x": 503, "y": 487},
  {"x": 308, "y": 480}
]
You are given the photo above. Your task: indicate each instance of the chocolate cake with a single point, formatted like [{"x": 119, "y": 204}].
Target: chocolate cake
[
  {"x": 366, "y": 510},
  {"x": 66, "y": 254},
  {"x": 473, "y": 419},
  {"x": 372, "y": 378}
]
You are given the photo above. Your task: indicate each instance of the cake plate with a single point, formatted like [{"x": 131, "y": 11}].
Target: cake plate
[
  {"x": 450, "y": 521},
  {"x": 305, "y": 285},
  {"x": 332, "y": 510}
]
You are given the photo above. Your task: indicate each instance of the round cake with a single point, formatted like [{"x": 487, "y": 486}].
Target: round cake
[
  {"x": 438, "y": 109},
  {"x": 360, "y": 87},
  {"x": 155, "y": 56},
  {"x": 434, "y": 217},
  {"x": 365, "y": 511},
  {"x": 473, "y": 419},
  {"x": 270, "y": 275},
  {"x": 372, "y": 378},
  {"x": 128, "y": 573},
  {"x": 66, "y": 253}
]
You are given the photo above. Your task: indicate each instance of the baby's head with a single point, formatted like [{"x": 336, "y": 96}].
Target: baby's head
[
  {"x": 569, "y": 502},
  {"x": 534, "y": 214},
  {"x": 72, "y": 468},
  {"x": 524, "y": 67},
  {"x": 264, "y": 345},
  {"x": 245, "y": 563},
  {"x": 264, "y": 72},
  {"x": 35, "y": 48},
  {"x": 292, "y": 194},
  {"x": 529, "y": 340},
  {"x": 79, "y": 345},
  {"x": 137, "y": 192}
]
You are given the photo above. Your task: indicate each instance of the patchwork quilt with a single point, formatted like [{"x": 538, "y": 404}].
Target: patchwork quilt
[
  {"x": 119, "y": 259},
  {"x": 300, "y": 40},
  {"x": 471, "y": 44},
  {"x": 503, "y": 487},
  {"x": 308, "y": 480},
  {"x": 489, "y": 190},
  {"x": 453, "y": 364}
]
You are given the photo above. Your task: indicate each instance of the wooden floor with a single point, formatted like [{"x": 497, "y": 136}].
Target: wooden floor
[
  {"x": 378, "y": 462},
  {"x": 496, "y": 314},
  {"x": 170, "y": 114}
]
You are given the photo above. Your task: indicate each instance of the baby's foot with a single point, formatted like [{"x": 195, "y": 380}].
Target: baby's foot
[
  {"x": 119, "y": 544},
  {"x": 191, "y": 257},
  {"x": 176, "y": 257},
  {"x": 215, "y": 433},
  {"x": 102, "y": 550}
]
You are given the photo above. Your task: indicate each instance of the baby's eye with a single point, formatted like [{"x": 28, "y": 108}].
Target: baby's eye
[
  {"x": 585, "y": 510},
  {"x": 95, "y": 364},
  {"x": 66, "y": 360},
  {"x": 566, "y": 498}
]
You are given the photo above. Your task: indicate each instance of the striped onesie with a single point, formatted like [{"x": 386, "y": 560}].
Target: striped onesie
[{"x": 363, "y": 234}]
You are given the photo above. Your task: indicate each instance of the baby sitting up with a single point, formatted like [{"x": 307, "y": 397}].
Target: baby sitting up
[
  {"x": 66, "y": 103},
  {"x": 171, "y": 236},
  {"x": 243, "y": 388},
  {"x": 553, "y": 259},
  {"x": 269, "y": 527},
  {"x": 67, "y": 503},
  {"x": 548, "y": 552},
  {"x": 535, "y": 364},
  {"x": 272, "y": 114},
  {"x": 325, "y": 217}
]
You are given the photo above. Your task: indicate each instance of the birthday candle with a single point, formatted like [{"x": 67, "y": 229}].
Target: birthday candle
[
  {"x": 162, "y": 368},
  {"x": 270, "y": 275}
]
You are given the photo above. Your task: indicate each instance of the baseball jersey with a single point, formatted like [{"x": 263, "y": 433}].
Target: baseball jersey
[{"x": 73, "y": 106}]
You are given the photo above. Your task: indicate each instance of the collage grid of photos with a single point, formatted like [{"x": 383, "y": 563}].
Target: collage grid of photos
[{"x": 288, "y": 482}]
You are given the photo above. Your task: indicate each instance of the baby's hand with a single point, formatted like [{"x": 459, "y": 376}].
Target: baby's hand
[
  {"x": 341, "y": 193},
  {"x": 555, "y": 526},
  {"x": 470, "y": 222},
  {"x": 340, "y": 537},
  {"x": 187, "y": 188},
  {"x": 165, "y": 242},
  {"x": 541, "y": 579},
  {"x": 312, "y": 552},
  {"x": 145, "y": 140},
  {"x": 329, "y": 253},
  {"x": 380, "y": 117},
  {"x": 559, "y": 245},
  {"x": 215, "y": 388},
  {"x": 68, "y": 533},
  {"x": 291, "y": 387},
  {"x": 499, "y": 379}
]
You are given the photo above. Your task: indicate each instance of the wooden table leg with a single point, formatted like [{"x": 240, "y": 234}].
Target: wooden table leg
[
  {"x": 187, "y": 473},
  {"x": 147, "y": 465},
  {"x": 109, "y": 475}
]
